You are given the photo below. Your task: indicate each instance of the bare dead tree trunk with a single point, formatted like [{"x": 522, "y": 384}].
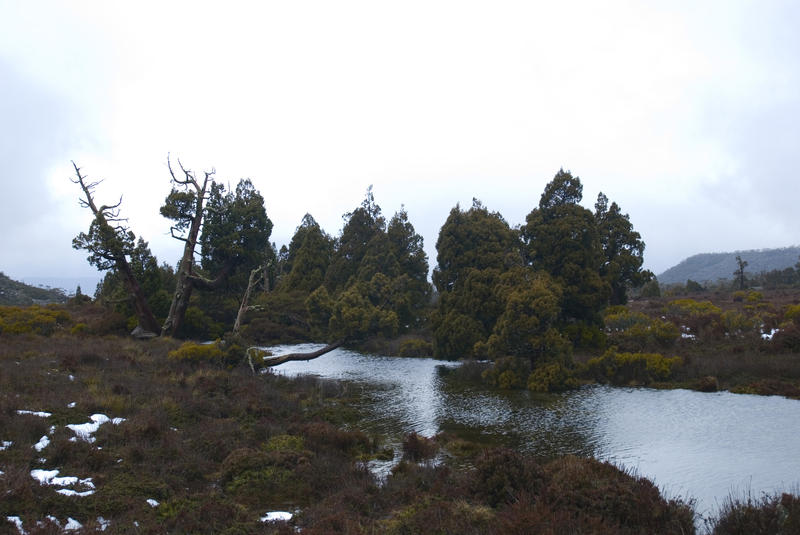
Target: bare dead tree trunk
[
  {"x": 275, "y": 361},
  {"x": 184, "y": 283},
  {"x": 255, "y": 276},
  {"x": 109, "y": 249}
]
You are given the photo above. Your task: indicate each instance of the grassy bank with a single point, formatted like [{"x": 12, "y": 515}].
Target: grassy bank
[{"x": 110, "y": 433}]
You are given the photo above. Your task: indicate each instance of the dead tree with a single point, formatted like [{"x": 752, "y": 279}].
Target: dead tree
[
  {"x": 110, "y": 242},
  {"x": 193, "y": 219},
  {"x": 255, "y": 277},
  {"x": 280, "y": 359}
]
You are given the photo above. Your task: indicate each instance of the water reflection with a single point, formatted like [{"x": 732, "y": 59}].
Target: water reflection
[{"x": 691, "y": 444}]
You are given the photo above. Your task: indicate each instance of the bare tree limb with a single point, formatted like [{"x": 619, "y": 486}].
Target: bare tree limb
[{"x": 280, "y": 359}]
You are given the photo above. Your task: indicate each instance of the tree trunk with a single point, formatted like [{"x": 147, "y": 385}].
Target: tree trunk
[
  {"x": 184, "y": 283},
  {"x": 145, "y": 316},
  {"x": 275, "y": 361},
  {"x": 244, "y": 307}
]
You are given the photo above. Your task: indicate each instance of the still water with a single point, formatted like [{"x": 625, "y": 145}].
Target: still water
[{"x": 691, "y": 444}]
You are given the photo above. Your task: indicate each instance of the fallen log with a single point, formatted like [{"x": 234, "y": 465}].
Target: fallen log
[{"x": 280, "y": 359}]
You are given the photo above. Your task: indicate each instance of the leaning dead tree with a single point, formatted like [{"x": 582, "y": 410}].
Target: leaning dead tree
[
  {"x": 184, "y": 206},
  {"x": 280, "y": 359},
  {"x": 255, "y": 277},
  {"x": 110, "y": 243}
]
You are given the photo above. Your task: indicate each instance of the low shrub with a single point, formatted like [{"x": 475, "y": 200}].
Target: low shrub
[
  {"x": 416, "y": 347},
  {"x": 771, "y": 514},
  {"x": 631, "y": 368},
  {"x": 636, "y": 331},
  {"x": 507, "y": 373},
  {"x": 44, "y": 320},
  {"x": 551, "y": 378},
  {"x": 418, "y": 448}
]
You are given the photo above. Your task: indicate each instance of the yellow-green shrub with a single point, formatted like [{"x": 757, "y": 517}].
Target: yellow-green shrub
[
  {"x": 416, "y": 347},
  {"x": 32, "y": 320},
  {"x": 792, "y": 313},
  {"x": 551, "y": 378},
  {"x": 632, "y": 368},
  {"x": 637, "y": 331},
  {"x": 507, "y": 373},
  {"x": 194, "y": 352}
]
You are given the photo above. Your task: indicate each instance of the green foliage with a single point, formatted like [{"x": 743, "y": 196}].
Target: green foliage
[
  {"x": 526, "y": 326},
  {"x": 562, "y": 238},
  {"x": 416, "y": 347},
  {"x": 236, "y": 233},
  {"x": 356, "y": 316},
  {"x": 700, "y": 317},
  {"x": 194, "y": 352},
  {"x": 507, "y": 373},
  {"x": 197, "y": 324},
  {"x": 455, "y": 335},
  {"x": 308, "y": 258},
  {"x": 44, "y": 320},
  {"x": 553, "y": 377},
  {"x": 636, "y": 331},
  {"x": 651, "y": 289},
  {"x": 632, "y": 368},
  {"x": 475, "y": 239},
  {"x": 320, "y": 309},
  {"x": 623, "y": 250},
  {"x": 792, "y": 313},
  {"x": 156, "y": 282},
  {"x": 694, "y": 287}
]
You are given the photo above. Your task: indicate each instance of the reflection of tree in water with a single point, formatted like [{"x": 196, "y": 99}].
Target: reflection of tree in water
[{"x": 543, "y": 425}]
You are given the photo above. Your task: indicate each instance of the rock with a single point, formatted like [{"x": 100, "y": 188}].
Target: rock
[{"x": 140, "y": 334}]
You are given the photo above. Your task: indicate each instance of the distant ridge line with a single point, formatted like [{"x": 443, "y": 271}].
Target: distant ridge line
[{"x": 711, "y": 267}]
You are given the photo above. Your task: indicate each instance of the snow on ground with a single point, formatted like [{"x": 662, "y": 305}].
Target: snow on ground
[
  {"x": 17, "y": 521},
  {"x": 42, "y": 444},
  {"x": 85, "y": 431},
  {"x": 277, "y": 516},
  {"x": 151, "y": 502},
  {"x": 50, "y": 477},
  {"x": 769, "y": 335},
  {"x": 41, "y": 414},
  {"x": 5, "y": 444}
]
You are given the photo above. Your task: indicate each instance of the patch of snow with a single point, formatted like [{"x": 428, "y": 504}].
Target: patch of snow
[
  {"x": 50, "y": 477},
  {"x": 117, "y": 421},
  {"x": 152, "y": 503},
  {"x": 17, "y": 521},
  {"x": 44, "y": 476},
  {"x": 85, "y": 431},
  {"x": 42, "y": 444},
  {"x": 277, "y": 516},
  {"x": 72, "y": 525},
  {"x": 41, "y": 414},
  {"x": 71, "y": 377},
  {"x": 5, "y": 444},
  {"x": 70, "y": 492},
  {"x": 769, "y": 335},
  {"x": 103, "y": 523},
  {"x": 71, "y": 405}
]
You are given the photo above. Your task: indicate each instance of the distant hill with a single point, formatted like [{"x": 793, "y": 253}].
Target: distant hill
[
  {"x": 710, "y": 267},
  {"x": 18, "y": 293}
]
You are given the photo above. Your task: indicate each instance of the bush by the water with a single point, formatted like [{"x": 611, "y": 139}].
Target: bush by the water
[
  {"x": 631, "y": 368},
  {"x": 553, "y": 377}
]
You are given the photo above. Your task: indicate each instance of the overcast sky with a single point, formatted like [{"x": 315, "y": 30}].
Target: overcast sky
[{"x": 686, "y": 114}]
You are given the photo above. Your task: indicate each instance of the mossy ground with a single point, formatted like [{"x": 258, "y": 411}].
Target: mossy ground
[{"x": 218, "y": 447}]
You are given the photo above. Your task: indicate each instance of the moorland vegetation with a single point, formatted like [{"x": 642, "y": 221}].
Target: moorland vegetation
[{"x": 547, "y": 305}]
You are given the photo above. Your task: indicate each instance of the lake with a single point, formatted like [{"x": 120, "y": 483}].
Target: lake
[{"x": 696, "y": 445}]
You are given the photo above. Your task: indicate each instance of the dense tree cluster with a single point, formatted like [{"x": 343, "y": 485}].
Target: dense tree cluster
[{"x": 534, "y": 291}]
